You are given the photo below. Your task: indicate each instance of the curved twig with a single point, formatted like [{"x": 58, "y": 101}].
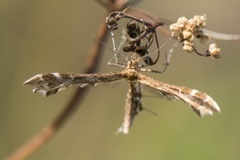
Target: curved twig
[{"x": 222, "y": 36}]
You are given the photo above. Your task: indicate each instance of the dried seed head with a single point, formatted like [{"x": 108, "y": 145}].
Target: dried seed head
[
  {"x": 214, "y": 51},
  {"x": 200, "y": 20},
  {"x": 174, "y": 28},
  {"x": 178, "y": 27},
  {"x": 182, "y": 21},
  {"x": 187, "y": 35},
  {"x": 187, "y": 29},
  {"x": 188, "y": 46}
]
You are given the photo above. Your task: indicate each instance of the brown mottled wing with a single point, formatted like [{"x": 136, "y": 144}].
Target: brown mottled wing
[
  {"x": 200, "y": 102},
  {"x": 132, "y": 107},
  {"x": 51, "y": 83}
]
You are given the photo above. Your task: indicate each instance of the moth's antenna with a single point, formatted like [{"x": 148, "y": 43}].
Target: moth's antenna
[
  {"x": 116, "y": 53},
  {"x": 166, "y": 42},
  {"x": 168, "y": 56}
]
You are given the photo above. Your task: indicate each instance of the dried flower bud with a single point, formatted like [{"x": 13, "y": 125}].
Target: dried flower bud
[
  {"x": 175, "y": 27},
  {"x": 200, "y": 20},
  {"x": 179, "y": 25},
  {"x": 188, "y": 46},
  {"x": 187, "y": 35},
  {"x": 214, "y": 51},
  {"x": 188, "y": 29},
  {"x": 182, "y": 21}
]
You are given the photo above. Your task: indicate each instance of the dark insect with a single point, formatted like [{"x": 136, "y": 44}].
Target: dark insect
[{"x": 139, "y": 39}]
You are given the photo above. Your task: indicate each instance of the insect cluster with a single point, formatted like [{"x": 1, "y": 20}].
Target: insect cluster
[{"x": 137, "y": 39}]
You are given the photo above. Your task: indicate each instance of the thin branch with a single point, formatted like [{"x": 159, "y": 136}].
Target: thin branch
[{"x": 222, "y": 36}]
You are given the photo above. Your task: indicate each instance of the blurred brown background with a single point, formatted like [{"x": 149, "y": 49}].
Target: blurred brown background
[{"x": 54, "y": 36}]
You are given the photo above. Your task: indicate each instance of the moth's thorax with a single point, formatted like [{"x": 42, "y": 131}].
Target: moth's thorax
[
  {"x": 132, "y": 64},
  {"x": 131, "y": 71}
]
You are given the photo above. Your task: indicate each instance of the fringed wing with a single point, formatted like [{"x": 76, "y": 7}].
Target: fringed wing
[
  {"x": 51, "y": 83},
  {"x": 200, "y": 102}
]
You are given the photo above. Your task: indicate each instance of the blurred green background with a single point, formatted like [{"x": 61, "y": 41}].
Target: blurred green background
[{"x": 38, "y": 36}]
